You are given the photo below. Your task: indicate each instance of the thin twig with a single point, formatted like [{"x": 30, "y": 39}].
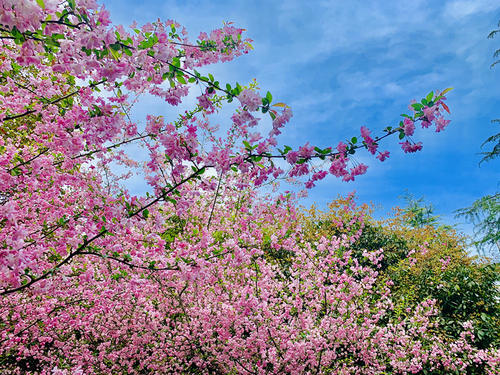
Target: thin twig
[
  {"x": 215, "y": 200},
  {"x": 19, "y": 115}
]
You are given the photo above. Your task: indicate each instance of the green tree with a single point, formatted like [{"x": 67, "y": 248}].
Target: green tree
[
  {"x": 418, "y": 214},
  {"x": 495, "y": 138},
  {"x": 484, "y": 213}
]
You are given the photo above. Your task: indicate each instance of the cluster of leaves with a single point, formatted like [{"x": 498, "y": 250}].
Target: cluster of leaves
[
  {"x": 466, "y": 288},
  {"x": 496, "y": 54}
]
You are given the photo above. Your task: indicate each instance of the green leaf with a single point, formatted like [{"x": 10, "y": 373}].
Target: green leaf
[
  {"x": 116, "y": 55},
  {"x": 237, "y": 91},
  {"x": 430, "y": 96},
  {"x": 181, "y": 79},
  {"x": 247, "y": 145},
  {"x": 40, "y": 3},
  {"x": 417, "y": 106},
  {"x": 145, "y": 213},
  {"x": 354, "y": 140},
  {"x": 18, "y": 36},
  {"x": 269, "y": 97},
  {"x": 16, "y": 172}
]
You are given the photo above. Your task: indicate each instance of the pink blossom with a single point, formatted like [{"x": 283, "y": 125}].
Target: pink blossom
[
  {"x": 9, "y": 211},
  {"x": 408, "y": 126},
  {"x": 441, "y": 123},
  {"x": 429, "y": 112},
  {"x": 204, "y": 101},
  {"x": 365, "y": 132},
  {"x": 250, "y": 99},
  {"x": 411, "y": 147},
  {"x": 383, "y": 155}
]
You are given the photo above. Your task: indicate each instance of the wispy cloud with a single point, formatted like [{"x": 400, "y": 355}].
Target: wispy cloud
[{"x": 463, "y": 8}]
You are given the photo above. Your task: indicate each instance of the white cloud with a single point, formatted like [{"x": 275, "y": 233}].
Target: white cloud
[{"x": 462, "y": 8}]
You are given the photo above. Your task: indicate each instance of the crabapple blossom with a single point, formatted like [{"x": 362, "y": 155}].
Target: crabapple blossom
[{"x": 201, "y": 274}]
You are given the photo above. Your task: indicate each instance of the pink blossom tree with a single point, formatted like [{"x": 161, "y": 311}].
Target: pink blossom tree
[{"x": 187, "y": 277}]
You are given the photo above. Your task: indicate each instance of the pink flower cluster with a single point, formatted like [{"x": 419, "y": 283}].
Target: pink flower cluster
[
  {"x": 370, "y": 143},
  {"x": 250, "y": 99},
  {"x": 411, "y": 147}
]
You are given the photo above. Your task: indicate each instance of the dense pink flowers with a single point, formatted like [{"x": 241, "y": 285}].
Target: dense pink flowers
[{"x": 95, "y": 278}]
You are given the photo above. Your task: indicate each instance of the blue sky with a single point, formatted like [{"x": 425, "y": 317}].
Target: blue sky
[{"x": 346, "y": 64}]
